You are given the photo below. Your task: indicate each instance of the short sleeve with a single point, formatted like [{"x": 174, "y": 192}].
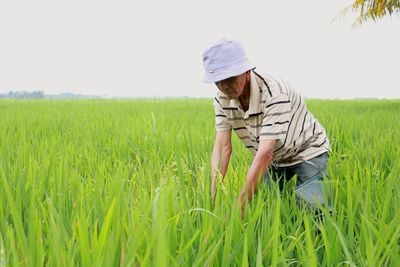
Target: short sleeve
[
  {"x": 222, "y": 123},
  {"x": 276, "y": 120}
]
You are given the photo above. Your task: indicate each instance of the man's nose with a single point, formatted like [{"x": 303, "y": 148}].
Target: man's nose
[{"x": 225, "y": 86}]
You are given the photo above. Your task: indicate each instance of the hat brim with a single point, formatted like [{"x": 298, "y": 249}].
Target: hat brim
[{"x": 225, "y": 73}]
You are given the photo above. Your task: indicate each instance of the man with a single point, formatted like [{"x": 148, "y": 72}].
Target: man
[{"x": 273, "y": 122}]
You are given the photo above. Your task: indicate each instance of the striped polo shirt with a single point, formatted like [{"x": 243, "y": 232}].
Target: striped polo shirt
[{"x": 276, "y": 112}]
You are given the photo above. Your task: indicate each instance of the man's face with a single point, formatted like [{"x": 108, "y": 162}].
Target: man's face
[{"x": 233, "y": 87}]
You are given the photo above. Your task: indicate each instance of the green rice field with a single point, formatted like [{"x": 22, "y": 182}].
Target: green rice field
[{"x": 127, "y": 183}]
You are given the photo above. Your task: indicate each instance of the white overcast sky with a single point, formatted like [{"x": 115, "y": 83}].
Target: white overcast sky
[{"x": 154, "y": 48}]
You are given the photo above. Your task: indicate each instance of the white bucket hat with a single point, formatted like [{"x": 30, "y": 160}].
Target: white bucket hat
[{"x": 225, "y": 59}]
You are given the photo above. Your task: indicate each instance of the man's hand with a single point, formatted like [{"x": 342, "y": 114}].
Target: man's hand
[
  {"x": 220, "y": 159},
  {"x": 213, "y": 192},
  {"x": 242, "y": 202},
  {"x": 258, "y": 167}
]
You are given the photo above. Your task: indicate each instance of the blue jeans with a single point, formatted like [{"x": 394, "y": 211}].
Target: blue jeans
[{"x": 310, "y": 179}]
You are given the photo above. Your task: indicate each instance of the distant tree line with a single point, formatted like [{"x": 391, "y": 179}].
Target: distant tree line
[
  {"x": 41, "y": 95},
  {"x": 23, "y": 94}
]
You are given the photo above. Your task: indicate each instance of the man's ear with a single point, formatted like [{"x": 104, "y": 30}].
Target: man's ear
[{"x": 248, "y": 75}]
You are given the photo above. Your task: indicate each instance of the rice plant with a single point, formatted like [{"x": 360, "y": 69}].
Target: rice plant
[{"x": 127, "y": 183}]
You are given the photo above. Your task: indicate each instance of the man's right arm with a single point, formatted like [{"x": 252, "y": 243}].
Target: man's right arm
[{"x": 220, "y": 158}]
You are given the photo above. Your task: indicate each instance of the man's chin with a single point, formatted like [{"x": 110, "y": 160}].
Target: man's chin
[{"x": 232, "y": 97}]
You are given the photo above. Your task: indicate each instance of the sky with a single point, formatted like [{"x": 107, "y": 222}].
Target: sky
[{"x": 154, "y": 48}]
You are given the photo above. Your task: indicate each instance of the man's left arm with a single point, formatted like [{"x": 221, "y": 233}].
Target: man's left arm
[{"x": 258, "y": 167}]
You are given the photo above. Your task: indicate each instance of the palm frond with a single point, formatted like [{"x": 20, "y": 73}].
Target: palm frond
[{"x": 375, "y": 9}]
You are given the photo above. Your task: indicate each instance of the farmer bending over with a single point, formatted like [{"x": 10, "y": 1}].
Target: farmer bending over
[{"x": 272, "y": 121}]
